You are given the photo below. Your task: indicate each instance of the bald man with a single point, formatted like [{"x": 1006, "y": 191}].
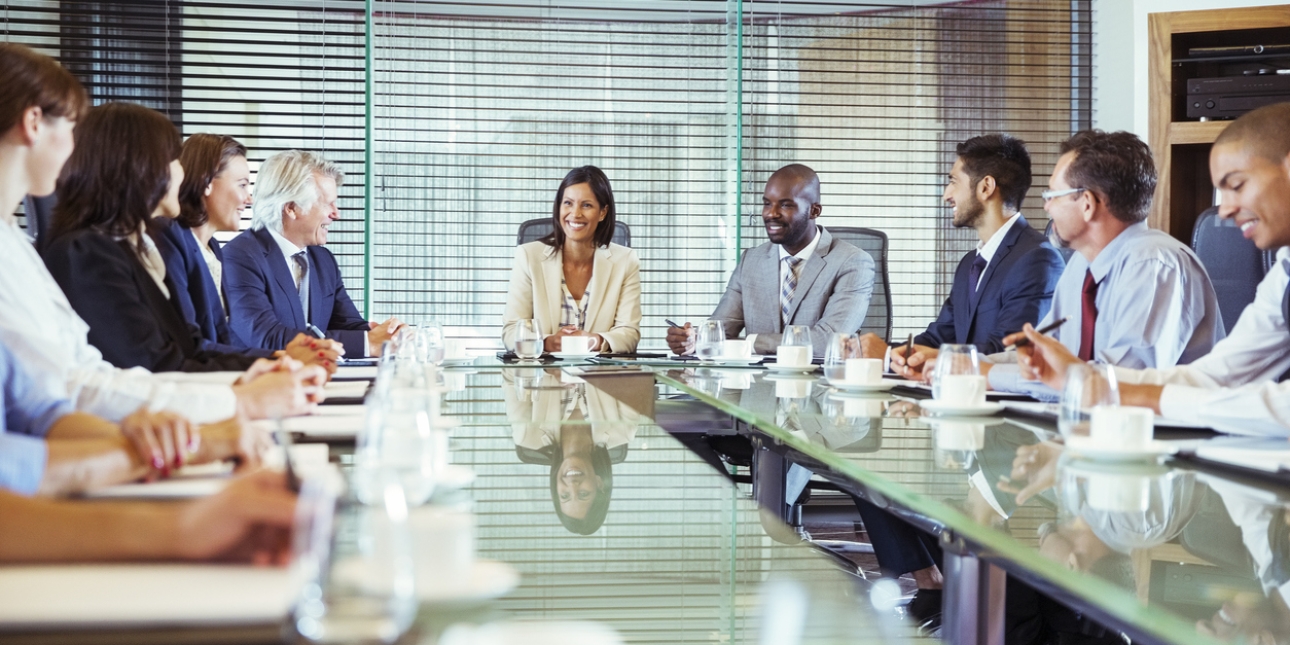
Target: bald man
[
  {"x": 802, "y": 276},
  {"x": 1235, "y": 386}
]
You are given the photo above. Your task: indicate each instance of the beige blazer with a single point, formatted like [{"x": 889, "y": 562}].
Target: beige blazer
[{"x": 614, "y": 310}]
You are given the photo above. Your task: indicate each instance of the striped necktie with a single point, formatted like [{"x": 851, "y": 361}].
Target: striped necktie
[
  {"x": 790, "y": 286},
  {"x": 302, "y": 270}
]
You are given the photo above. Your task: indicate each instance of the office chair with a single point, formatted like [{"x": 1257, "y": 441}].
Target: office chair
[
  {"x": 40, "y": 217},
  {"x": 1234, "y": 264},
  {"x": 1065, "y": 251},
  {"x": 536, "y": 229},
  {"x": 874, "y": 242}
]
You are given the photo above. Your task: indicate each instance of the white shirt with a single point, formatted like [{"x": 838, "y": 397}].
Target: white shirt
[
  {"x": 988, "y": 248},
  {"x": 213, "y": 265},
  {"x": 1233, "y": 388},
  {"x": 39, "y": 326},
  {"x": 804, "y": 255},
  {"x": 289, "y": 250}
]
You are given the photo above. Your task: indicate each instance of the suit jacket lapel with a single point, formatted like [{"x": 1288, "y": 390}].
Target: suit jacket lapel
[
  {"x": 552, "y": 267},
  {"x": 1005, "y": 247},
  {"x": 601, "y": 271},
  {"x": 278, "y": 267},
  {"x": 811, "y": 270}
]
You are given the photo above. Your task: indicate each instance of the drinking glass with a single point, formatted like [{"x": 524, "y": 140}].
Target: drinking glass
[
  {"x": 528, "y": 339},
  {"x": 954, "y": 360},
  {"x": 430, "y": 342},
  {"x": 708, "y": 339},
  {"x": 357, "y": 569},
  {"x": 794, "y": 346},
  {"x": 399, "y": 440},
  {"x": 403, "y": 345},
  {"x": 840, "y": 348},
  {"x": 796, "y": 336},
  {"x": 1087, "y": 386}
]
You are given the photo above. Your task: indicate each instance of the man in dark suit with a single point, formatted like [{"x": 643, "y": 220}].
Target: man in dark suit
[
  {"x": 801, "y": 276},
  {"x": 279, "y": 278},
  {"x": 1008, "y": 280}
]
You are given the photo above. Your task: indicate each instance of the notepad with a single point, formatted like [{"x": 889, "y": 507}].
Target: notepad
[
  {"x": 325, "y": 426},
  {"x": 346, "y": 389},
  {"x": 354, "y": 372},
  {"x": 207, "y": 479},
  {"x": 142, "y": 595}
]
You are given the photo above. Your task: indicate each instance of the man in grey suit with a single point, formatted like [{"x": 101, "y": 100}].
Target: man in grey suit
[{"x": 802, "y": 276}]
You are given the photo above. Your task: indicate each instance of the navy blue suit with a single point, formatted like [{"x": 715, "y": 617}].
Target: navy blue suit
[
  {"x": 195, "y": 294},
  {"x": 1017, "y": 288},
  {"x": 264, "y": 306}
]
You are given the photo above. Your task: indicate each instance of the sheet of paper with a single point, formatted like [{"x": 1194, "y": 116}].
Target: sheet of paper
[
  {"x": 325, "y": 426},
  {"x": 354, "y": 372},
  {"x": 1266, "y": 454},
  {"x": 207, "y": 479},
  {"x": 348, "y": 410},
  {"x": 346, "y": 389},
  {"x": 1050, "y": 410},
  {"x": 137, "y": 595}
]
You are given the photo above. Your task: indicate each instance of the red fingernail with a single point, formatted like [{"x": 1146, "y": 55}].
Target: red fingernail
[
  {"x": 179, "y": 461},
  {"x": 313, "y": 345},
  {"x": 321, "y": 354},
  {"x": 157, "y": 462}
]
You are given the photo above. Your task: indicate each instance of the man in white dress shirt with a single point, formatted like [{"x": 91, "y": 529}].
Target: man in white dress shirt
[{"x": 1235, "y": 387}]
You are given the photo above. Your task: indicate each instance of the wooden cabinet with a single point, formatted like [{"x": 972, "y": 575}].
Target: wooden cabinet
[{"x": 1181, "y": 145}]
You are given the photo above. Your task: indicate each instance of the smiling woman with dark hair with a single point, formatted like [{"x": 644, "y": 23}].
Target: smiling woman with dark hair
[
  {"x": 104, "y": 254},
  {"x": 575, "y": 281}
]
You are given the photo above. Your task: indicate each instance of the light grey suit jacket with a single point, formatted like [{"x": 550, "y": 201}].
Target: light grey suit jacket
[{"x": 833, "y": 291}]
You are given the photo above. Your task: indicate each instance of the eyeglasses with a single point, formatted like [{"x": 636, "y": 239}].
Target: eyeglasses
[{"x": 1050, "y": 195}]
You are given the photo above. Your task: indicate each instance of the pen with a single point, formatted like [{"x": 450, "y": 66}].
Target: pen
[
  {"x": 315, "y": 331},
  {"x": 1022, "y": 342},
  {"x": 284, "y": 440},
  {"x": 909, "y": 345},
  {"x": 672, "y": 323}
]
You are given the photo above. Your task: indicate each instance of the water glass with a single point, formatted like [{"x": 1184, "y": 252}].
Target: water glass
[
  {"x": 708, "y": 339},
  {"x": 840, "y": 348},
  {"x": 400, "y": 441},
  {"x": 954, "y": 361},
  {"x": 794, "y": 346},
  {"x": 528, "y": 339},
  {"x": 1087, "y": 386},
  {"x": 430, "y": 343},
  {"x": 357, "y": 568}
]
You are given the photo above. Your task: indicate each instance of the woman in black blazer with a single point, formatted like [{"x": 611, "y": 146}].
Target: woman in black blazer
[{"x": 124, "y": 172}]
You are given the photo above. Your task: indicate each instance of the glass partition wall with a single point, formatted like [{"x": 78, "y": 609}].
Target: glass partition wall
[{"x": 455, "y": 121}]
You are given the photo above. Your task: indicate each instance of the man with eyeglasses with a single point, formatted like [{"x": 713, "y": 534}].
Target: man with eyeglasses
[
  {"x": 1243, "y": 386},
  {"x": 1133, "y": 296}
]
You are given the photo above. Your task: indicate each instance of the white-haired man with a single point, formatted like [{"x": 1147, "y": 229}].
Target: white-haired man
[{"x": 279, "y": 279}]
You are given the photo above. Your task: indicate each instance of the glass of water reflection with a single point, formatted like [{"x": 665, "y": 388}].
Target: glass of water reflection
[{"x": 528, "y": 339}]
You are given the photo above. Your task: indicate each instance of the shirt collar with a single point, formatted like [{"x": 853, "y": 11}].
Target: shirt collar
[
  {"x": 988, "y": 248},
  {"x": 806, "y": 252},
  {"x": 1101, "y": 265},
  {"x": 1283, "y": 258},
  {"x": 288, "y": 249}
]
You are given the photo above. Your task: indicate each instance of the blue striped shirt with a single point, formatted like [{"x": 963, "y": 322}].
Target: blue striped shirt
[{"x": 28, "y": 412}]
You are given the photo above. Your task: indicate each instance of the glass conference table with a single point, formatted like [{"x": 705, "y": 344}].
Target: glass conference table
[
  {"x": 1163, "y": 550},
  {"x": 682, "y": 555}
]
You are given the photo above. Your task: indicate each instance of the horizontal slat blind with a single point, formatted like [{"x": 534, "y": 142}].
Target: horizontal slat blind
[{"x": 479, "y": 108}]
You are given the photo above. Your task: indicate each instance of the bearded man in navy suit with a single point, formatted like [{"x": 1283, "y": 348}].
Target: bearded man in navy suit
[{"x": 1008, "y": 280}]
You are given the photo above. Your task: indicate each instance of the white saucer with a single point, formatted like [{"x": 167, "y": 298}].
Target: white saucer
[
  {"x": 489, "y": 579},
  {"x": 863, "y": 395},
  {"x": 453, "y": 477},
  {"x": 791, "y": 369},
  {"x": 751, "y": 360},
  {"x": 574, "y": 356},
  {"x": 1083, "y": 447},
  {"x": 790, "y": 376},
  {"x": 880, "y": 386},
  {"x": 938, "y": 407}
]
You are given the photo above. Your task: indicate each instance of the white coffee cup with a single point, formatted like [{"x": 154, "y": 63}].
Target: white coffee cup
[
  {"x": 443, "y": 546},
  {"x": 737, "y": 348},
  {"x": 793, "y": 355},
  {"x": 1124, "y": 427},
  {"x": 576, "y": 344},
  {"x": 1121, "y": 492},
  {"x": 454, "y": 349},
  {"x": 794, "y": 389},
  {"x": 863, "y": 371},
  {"x": 964, "y": 390}
]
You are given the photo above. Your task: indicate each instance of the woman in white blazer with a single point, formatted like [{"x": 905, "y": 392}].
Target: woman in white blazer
[{"x": 575, "y": 282}]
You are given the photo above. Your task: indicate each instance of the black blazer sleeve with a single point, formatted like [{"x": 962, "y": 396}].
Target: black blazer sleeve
[{"x": 131, "y": 321}]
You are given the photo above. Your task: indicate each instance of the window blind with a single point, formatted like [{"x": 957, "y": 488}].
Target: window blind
[{"x": 477, "y": 109}]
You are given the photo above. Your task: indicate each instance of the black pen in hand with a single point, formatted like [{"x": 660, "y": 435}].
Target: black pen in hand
[
  {"x": 1023, "y": 341},
  {"x": 673, "y": 324}
]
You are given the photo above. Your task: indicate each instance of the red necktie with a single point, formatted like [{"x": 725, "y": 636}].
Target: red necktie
[{"x": 1088, "y": 317}]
